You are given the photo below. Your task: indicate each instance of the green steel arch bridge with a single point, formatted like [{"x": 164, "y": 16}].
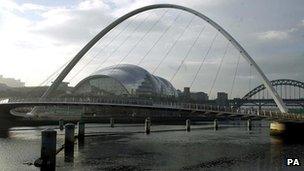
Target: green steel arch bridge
[{"x": 289, "y": 90}]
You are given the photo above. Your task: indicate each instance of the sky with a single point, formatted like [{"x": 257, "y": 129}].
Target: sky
[{"x": 38, "y": 37}]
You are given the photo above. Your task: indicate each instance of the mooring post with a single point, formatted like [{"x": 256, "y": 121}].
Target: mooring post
[
  {"x": 147, "y": 125},
  {"x": 249, "y": 124},
  {"x": 61, "y": 124},
  {"x": 112, "y": 122},
  {"x": 215, "y": 124},
  {"x": 48, "y": 149},
  {"x": 188, "y": 125},
  {"x": 81, "y": 131},
  {"x": 69, "y": 142}
]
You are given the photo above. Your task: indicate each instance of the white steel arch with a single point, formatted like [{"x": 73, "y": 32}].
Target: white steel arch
[{"x": 91, "y": 43}]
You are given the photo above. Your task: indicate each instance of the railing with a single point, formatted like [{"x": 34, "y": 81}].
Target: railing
[
  {"x": 4, "y": 100},
  {"x": 162, "y": 104}
]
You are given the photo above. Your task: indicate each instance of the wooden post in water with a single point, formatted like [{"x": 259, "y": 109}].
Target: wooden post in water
[
  {"x": 69, "y": 142},
  {"x": 188, "y": 124},
  {"x": 112, "y": 122},
  {"x": 81, "y": 131},
  {"x": 147, "y": 125},
  {"x": 215, "y": 124},
  {"x": 48, "y": 149},
  {"x": 249, "y": 125},
  {"x": 61, "y": 124}
]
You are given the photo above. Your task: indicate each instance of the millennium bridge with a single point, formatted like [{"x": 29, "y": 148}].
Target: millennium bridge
[
  {"x": 7, "y": 106},
  {"x": 279, "y": 96},
  {"x": 188, "y": 109}
]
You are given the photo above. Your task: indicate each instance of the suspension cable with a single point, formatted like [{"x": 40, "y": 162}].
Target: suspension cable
[
  {"x": 173, "y": 45},
  {"x": 139, "y": 40},
  {"x": 235, "y": 74},
  {"x": 250, "y": 73},
  {"x": 294, "y": 92},
  {"x": 54, "y": 73},
  {"x": 49, "y": 78},
  {"x": 285, "y": 88},
  {"x": 101, "y": 49},
  {"x": 219, "y": 68},
  {"x": 289, "y": 92},
  {"x": 281, "y": 89},
  {"x": 188, "y": 52},
  {"x": 159, "y": 38},
  {"x": 126, "y": 39},
  {"x": 204, "y": 58}
]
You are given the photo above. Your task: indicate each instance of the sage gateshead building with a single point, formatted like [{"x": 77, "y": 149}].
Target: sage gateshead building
[{"x": 124, "y": 80}]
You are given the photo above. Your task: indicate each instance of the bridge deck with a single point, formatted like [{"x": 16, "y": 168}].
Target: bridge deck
[{"x": 218, "y": 111}]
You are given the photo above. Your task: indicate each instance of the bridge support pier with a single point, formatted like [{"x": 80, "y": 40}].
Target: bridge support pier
[
  {"x": 249, "y": 124},
  {"x": 147, "y": 125},
  {"x": 215, "y": 123},
  {"x": 69, "y": 142},
  {"x": 112, "y": 122},
  {"x": 188, "y": 125},
  {"x": 260, "y": 108},
  {"x": 81, "y": 131},
  {"x": 290, "y": 130},
  {"x": 61, "y": 124},
  {"x": 48, "y": 149}
]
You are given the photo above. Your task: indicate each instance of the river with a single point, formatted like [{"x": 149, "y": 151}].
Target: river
[{"x": 168, "y": 147}]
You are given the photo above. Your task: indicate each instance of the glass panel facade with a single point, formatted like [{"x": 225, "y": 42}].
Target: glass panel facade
[
  {"x": 125, "y": 79},
  {"x": 100, "y": 86}
]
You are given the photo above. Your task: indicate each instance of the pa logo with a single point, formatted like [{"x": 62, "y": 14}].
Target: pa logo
[{"x": 293, "y": 162}]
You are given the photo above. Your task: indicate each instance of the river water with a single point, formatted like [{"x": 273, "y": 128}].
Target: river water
[{"x": 168, "y": 147}]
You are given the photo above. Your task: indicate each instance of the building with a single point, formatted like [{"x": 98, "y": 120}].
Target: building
[
  {"x": 197, "y": 97},
  {"x": 11, "y": 82},
  {"x": 186, "y": 92},
  {"x": 124, "y": 80},
  {"x": 222, "y": 99}
]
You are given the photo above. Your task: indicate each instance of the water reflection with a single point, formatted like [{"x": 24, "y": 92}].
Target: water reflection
[
  {"x": 283, "y": 148},
  {"x": 81, "y": 143},
  {"x": 4, "y": 133},
  {"x": 286, "y": 140},
  {"x": 69, "y": 155}
]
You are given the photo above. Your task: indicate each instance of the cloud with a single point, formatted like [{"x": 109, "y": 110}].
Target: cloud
[
  {"x": 124, "y": 6},
  {"x": 273, "y": 35},
  {"x": 73, "y": 24},
  {"x": 32, "y": 7},
  {"x": 12, "y": 6},
  {"x": 91, "y": 4}
]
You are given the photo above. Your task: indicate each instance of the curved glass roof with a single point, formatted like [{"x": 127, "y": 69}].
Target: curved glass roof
[{"x": 134, "y": 79}]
